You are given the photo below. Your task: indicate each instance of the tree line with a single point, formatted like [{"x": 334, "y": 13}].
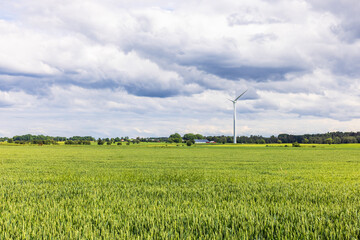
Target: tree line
[
  {"x": 324, "y": 138},
  {"x": 47, "y": 140},
  {"x": 321, "y": 138},
  {"x": 76, "y": 140}
]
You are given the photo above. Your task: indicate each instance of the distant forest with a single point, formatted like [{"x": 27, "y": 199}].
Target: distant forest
[{"x": 326, "y": 138}]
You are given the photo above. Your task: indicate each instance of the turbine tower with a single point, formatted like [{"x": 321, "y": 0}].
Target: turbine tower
[{"x": 234, "y": 104}]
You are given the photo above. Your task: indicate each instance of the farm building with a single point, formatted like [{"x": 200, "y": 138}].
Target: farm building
[{"x": 201, "y": 141}]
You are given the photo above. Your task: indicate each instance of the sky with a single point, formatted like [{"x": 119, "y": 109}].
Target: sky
[{"x": 152, "y": 68}]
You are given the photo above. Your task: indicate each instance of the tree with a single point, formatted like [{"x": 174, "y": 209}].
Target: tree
[
  {"x": 337, "y": 140},
  {"x": 175, "y": 138},
  {"x": 189, "y": 136},
  {"x": 305, "y": 140},
  {"x": 329, "y": 141},
  {"x": 100, "y": 142},
  {"x": 222, "y": 140},
  {"x": 188, "y": 143},
  {"x": 272, "y": 139},
  {"x": 349, "y": 139},
  {"x": 192, "y": 137},
  {"x": 199, "y": 136},
  {"x": 10, "y": 140}
]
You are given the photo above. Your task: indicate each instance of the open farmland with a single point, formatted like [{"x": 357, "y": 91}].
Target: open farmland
[{"x": 157, "y": 191}]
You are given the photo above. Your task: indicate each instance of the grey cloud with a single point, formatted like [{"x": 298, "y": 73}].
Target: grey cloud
[
  {"x": 154, "y": 47},
  {"x": 40, "y": 86},
  {"x": 10, "y": 72},
  {"x": 263, "y": 37},
  {"x": 226, "y": 66},
  {"x": 29, "y": 84},
  {"x": 334, "y": 111},
  {"x": 265, "y": 105},
  {"x": 4, "y": 104},
  {"x": 145, "y": 88},
  {"x": 348, "y": 11},
  {"x": 247, "y": 72},
  {"x": 224, "y": 63},
  {"x": 348, "y": 31},
  {"x": 347, "y": 66},
  {"x": 151, "y": 91}
]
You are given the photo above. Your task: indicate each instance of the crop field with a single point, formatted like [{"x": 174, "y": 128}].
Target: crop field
[{"x": 158, "y": 191}]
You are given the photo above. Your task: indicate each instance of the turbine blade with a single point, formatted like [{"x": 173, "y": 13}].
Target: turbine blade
[
  {"x": 230, "y": 100},
  {"x": 240, "y": 96}
]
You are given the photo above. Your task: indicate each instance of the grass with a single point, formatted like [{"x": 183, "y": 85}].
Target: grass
[{"x": 158, "y": 191}]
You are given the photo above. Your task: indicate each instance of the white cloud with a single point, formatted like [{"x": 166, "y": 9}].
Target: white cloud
[{"x": 159, "y": 67}]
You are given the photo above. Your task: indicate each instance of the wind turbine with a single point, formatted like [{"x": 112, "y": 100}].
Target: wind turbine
[{"x": 234, "y": 104}]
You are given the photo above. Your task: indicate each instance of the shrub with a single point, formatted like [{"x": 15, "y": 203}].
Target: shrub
[
  {"x": 296, "y": 144},
  {"x": 69, "y": 142},
  {"x": 100, "y": 142},
  {"x": 188, "y": 143}
]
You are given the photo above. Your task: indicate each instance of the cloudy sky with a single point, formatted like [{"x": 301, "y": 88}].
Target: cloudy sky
[{"x": 151, "y": 68}]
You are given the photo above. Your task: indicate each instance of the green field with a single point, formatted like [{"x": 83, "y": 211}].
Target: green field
[{"x": 153, "y": 191}]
